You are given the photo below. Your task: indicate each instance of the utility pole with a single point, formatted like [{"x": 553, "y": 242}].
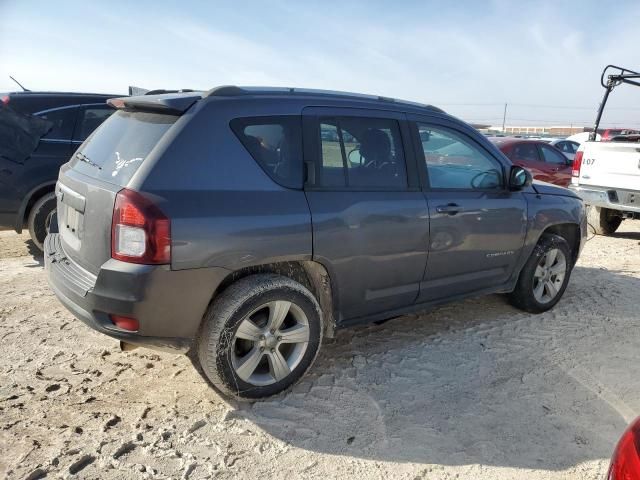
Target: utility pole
[{"x": 504, "y": 117}]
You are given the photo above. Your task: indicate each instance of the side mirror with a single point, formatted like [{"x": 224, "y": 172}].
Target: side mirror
[{"x": 519, "y": 178}]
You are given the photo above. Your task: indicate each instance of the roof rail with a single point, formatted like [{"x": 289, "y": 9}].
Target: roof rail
[{"x": 234, "y": 91}]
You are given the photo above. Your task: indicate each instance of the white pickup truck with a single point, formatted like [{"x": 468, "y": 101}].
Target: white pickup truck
[{"x": 606, "y": 174}]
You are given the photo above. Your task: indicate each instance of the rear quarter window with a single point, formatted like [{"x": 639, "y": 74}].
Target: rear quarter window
[
  {"x": 275, "y": 143},
  {"x": 115, "y": 151}
]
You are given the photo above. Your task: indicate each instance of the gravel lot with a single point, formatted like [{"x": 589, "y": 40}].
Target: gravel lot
[{"x": 472, "y": 390}]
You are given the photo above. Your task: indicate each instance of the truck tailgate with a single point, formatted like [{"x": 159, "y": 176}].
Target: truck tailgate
[{"x": 611, "y": 164}]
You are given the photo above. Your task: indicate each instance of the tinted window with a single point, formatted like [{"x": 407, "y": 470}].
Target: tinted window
[
  {"x": 525, "y": 152},
  {"x": 362, "y": 153},
  {"x": 63, "y": 120},
  {"x": 454, "y": 161},
  {"x": 552, "y": 156},
  {"x": 571, "y": 147},
  {"x": 115, "y": 151},
  {"x": 89, "y": 119},
  {"x": 276, "y": 144}
]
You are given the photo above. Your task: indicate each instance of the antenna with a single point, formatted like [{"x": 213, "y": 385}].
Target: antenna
[{"x": 23, "y": 89}]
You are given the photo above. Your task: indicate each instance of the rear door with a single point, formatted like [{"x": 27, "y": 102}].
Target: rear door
[
  {"x": 477, "y": 226},
  {"x": 370, "y": 219},
  {"x": 557, "y": 166},
  {"x": 88, "y": 184}
]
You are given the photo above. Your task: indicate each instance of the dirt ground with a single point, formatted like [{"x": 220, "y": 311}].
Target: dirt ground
[{"x": 472, "y": 390}]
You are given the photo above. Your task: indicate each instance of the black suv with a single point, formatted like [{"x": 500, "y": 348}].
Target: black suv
[{"x": 38, "y": 132}]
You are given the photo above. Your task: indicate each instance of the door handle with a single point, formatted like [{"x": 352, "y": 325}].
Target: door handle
[{"x": 449, "y": 209}]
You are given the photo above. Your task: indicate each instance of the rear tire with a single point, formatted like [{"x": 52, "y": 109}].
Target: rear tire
[
  {"x": 40, "y": 218},
  {"x": 602, "y": 220},
  {"x": 539, "y": 286},
  {"x": 259, "y": 337}
]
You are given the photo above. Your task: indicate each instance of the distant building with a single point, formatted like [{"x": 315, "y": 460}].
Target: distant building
[{"x": 559, "y": 131}]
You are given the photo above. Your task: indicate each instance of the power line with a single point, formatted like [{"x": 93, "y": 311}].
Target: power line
[{"x": 531, "y": 105}]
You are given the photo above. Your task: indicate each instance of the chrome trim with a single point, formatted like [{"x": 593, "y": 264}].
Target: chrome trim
[
  {"x": 55, "y": 140},
  {"x": 66, "y": 107}
]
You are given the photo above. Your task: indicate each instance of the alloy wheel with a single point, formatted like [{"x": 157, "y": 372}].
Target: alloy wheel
[
  {"x": 270, "y": 342},
  {"x": 549, "y": 275}
]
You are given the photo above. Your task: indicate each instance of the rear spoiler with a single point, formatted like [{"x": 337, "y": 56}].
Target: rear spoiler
[{"x": 170, "y": 103}]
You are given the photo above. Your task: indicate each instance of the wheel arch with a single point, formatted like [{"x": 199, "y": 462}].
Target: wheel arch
[
  {"x": 29, "y": 200},
  {"x": 570, "y": 232},
  {"x": 312, "y": 275}
]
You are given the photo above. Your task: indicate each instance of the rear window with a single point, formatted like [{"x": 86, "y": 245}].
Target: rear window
[{"x": 115, "y": 151}]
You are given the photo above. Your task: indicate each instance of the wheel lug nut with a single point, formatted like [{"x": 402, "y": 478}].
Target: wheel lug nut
[
  {"x": 279, "y": 339},
  {"x": 273, "y": 350},
  {"x": 261, "y": 337},
  {"x": 262, "y": 349},
  {"x": 272, "y": 332}
]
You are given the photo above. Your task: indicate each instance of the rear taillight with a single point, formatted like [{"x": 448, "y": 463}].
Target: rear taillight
[
  {"x": 625, "y": 463},
  {"x": 577, "y": 164},
  {"x": 5, "y": 100},
  {"x": 140, "y": 232}
]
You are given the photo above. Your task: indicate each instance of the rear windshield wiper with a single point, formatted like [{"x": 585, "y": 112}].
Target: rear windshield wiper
[{"x": 83, "y": 158}]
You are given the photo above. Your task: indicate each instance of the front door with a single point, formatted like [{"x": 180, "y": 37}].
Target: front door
[
  {"x": 478, "y": 226},
  {"x": 526, "y": 154},
  {"x": 369, "y": 216}
]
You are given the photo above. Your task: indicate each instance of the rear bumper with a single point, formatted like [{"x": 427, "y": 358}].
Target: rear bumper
[
  {"x": 169, "y": 305},
  {"x": 611, "y": 198}
]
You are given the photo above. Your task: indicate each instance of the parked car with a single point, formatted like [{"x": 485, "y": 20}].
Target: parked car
[
  {"x": 625, "y": 462},
  {"x": 610, "y": 133},
  {"x": 39, "y": 132},
  {"x": 545, "y": 162},
  {"x": 208, "y": 223},
  {"x": 567, "y": 147}
]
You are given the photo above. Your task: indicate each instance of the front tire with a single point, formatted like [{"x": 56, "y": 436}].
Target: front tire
[
  {"x": 40, "y": 219},
  {"x": 602, "y": 220},
  {"x": 545, "y": 276},
  {"x": 260, "y": 336}
]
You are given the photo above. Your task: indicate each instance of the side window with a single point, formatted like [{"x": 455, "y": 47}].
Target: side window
[
  {"x": 276, "y": 144},
  {"x": 63, "y": 120},
  {"x": 552, "y": 156},
  {"x": 454, "y": 161},
  {"x": 90, "y": 118},
  {"x": 525, "y": 152},
  {"x": 362, "y": 153}
]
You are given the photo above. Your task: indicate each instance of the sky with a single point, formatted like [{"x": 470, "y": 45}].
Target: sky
[{"x": 542, "y": 58}]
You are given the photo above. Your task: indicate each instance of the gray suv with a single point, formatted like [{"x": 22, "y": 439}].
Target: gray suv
[{"x": 244, "y": 225}]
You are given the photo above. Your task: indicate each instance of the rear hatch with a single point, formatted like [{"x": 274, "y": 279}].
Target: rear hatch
[
  {"x": 611, "y": 165},
  {"x": 101, "y": 167}
]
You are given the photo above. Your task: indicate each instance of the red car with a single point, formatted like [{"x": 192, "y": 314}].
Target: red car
[
  {"x": 625, "y": 462},
  {"x": 544, "y": 161}
]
